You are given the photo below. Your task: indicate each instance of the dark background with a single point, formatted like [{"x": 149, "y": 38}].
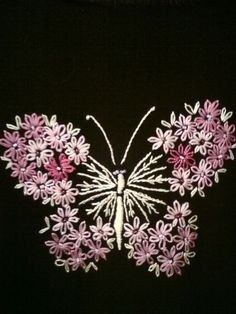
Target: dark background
[{"x": 114, "y": 62}]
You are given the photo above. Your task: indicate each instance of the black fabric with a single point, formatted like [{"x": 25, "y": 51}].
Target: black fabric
[{"x": 75, "y": 59}]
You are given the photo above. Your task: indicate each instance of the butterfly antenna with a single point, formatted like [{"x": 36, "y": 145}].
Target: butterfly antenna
[
  {"x": 88, "y": 117},
  {"x": 135, "y": 132}
]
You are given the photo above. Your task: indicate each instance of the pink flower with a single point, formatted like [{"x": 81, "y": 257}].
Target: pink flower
[
  {"x": 177, "y": 213},
  {"x": 209, "y": 116},
  {"x": 58, "y": 246},
  {"x": 23, "y": 171},
  {"x": 136, "y": 232},
  {"x": 33, "y": 124},
  {"x": 63, "y": 193},
  {"x": 64, "y": 219},
  {"x": 56, "y": 136},
  {"x": 77, "y": 259},
  {"x": 38, "y": 151},
  {"x": 225, "y": 135},
  {"x": 203, "y": 173},
  {"x": 77, "y": 150},
  {"x": 15, "y": 145},
  {"x": 101, "y": 231},
  {"x": 202, "y": 141},
  {"x": 161, "y": 234},
  {"x": 181, "y": 181},
  {"x": 217, "y": 155},
  {"x": 171, "y": 262},
  {"x": 39, "y": 187},
  {"x": 80, "y": 235},
  {"x": 185, "y": 239},
  {"x": 59, "y": 170},
  {"x": 144, "y": 252},
  {"x": 186, "y": 127},
  {"x": 166, "y": 139},
  {"x": 182, "y": 157},
  {"x": 96, "y": 250}
]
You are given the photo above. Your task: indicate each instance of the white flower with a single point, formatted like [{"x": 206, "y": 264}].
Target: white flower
[
  {"x": 38, "y": 151},
  {"x": 186, "y": 127},
  {"x": 202, "y": 141},
  {"x": 63, "y": 193},
  {"x": 202, "y": 174},
  {"x": 166, "y": 139},
  {"x": 181, "y": 181},
  {"x": 56, "y": 136},
  {"x": 101, "y": 231},
  {"x": 177, "y": 213},
  {"x": 64, "y": 219},
  {"x": 77, "y": 150}
]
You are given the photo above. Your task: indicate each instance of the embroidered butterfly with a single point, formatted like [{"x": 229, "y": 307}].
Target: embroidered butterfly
[{"x": 44, "y": 156}]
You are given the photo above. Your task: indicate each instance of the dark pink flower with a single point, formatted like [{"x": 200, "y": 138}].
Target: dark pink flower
[
  {"x": 96, "y": 250},
  {"x": 185, "y": 239},
  {"x": 225, "y": 135},
  {"x": 161, "y": 234},
  {"x": 144, "y": 252},
  {"x": 182, "y": 157},
  {"x": 171, "y": 262},
  {"x": 209, "y": 116},
  {"x": 59, "y": 170},
  {"x": 23, "y": 170},
  {"x": 15, "y": 145},
  {"x": 33, "y": 124},
  {"x": 58, "y": 246},
  {"x": 217, "y": 155}
]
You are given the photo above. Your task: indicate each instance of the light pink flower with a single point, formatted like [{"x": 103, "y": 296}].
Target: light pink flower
[
  {"x": 182, "y": 157},
  {"x": 79, "y": 235},
  {"x": 101, "y": 231},
  {"x": 181, "y": 181},
  {"x": 59, "y": 169},
  {"x": 15, "y": 145},
  {"x": 185, "y": 239},
  {"x": 161, "y": 234},
  {"x": 186, "y": 127},
  {"x": 77, "y": 150},
  {"x": 171, "y": 262},
  {"x": 217, "y": 155},
  {"x": 143, "y": 252},
  {"x": 22, "y": 170},
  {"x": 64, "y": 219},
  {"x": 96, "y": 250},
  {"x": 166, "y": 139},
  {"x": 225, "y": 135},
  {"x": 203, "y": 173},
  {"x": 56, "y": 136},
  {"x": 58, "y": 246},
  {"x": 63, "y": 193},
  {"x": 38, "y": 151},
  {"x": 201, "y": 140},
  {"x": 33, "y": 124},
  {"x": 177, "y": 212},
  {"x": 136, "y": 232},
  {"x": 208, "y": 116},
  {"x": 39, "y": 187},
  {"x": 77, "y": 259}
]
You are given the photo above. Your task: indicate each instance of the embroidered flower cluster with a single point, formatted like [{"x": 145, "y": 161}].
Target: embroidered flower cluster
[
  {"x": 167, "y": 247},
  {"x": 43, "y": 154},
  {"x": 197, "y": 146},
  {"x": 74, "y": 244}
]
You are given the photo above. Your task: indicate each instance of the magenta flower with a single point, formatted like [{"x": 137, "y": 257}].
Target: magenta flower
[
  {"x": 39, "y": 187},
  {"x": 177, "y": 212},
  {"x": 58, "y": 246},
  {"x": 77, "y": 259},
  {"x": 186, "y": 127},
  {"x": 33, "y": 124},
  {"x": 209, "y": 116},
  {"x": 64, "y": 219},
  {"x": 96, "y": 250},
  {"x": 22, "y": 170},
  {"x": 15, "y": 145},
  {"x": 161, "y": 234},
  {"x": 201, "y": 140},
  {"x": 59, "y": 170},
  {"x": 225, "y": 135},
  {"x": 56, "y": 136},
  {"x": 185, "y": 239},
  {"x": 171, "y": 262},
  {"x": 217, "y": 155},
  {"x": 63, "y": 193},
  {"x": 101, "y": 231},
  {"x": 180, "y": 181},
  {"x": 77, "y": 150},
  {"x": 166, "y": 139},
  {"x": 136, "y": 232},
  {"x": 38, "y": 151},
  {"x": 203, "y": 173},
  {"x": 144, "y": 252},
  {"x": 79, "y": 235},
  {"x": 182, "y": 157}
]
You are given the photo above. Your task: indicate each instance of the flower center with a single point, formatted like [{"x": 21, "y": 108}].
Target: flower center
[{"x": 15, "y": 145}]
